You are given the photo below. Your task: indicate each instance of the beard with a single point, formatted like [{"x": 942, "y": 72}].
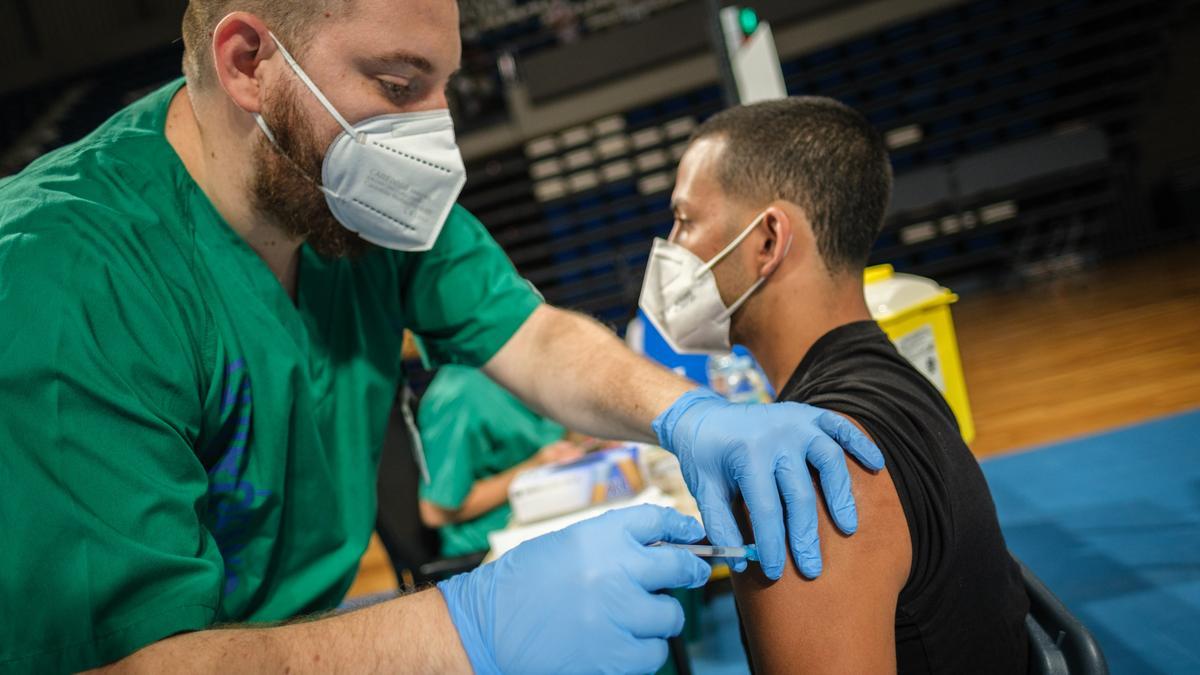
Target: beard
[{"x": 285, "y": 184}]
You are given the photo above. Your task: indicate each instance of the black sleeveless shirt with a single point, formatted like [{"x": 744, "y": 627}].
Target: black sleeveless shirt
[{"x": 963, "y": 607}]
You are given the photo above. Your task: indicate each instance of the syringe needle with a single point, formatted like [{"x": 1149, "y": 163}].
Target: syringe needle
[{"x": 749, "y": 552}]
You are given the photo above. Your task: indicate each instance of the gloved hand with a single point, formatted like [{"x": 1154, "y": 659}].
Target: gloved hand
[
  {"x": 764, "y": 451},
  {"x": 580, "y": 599}
]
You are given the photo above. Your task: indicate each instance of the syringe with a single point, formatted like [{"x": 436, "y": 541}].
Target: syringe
[{"x": 749, "y": 551}]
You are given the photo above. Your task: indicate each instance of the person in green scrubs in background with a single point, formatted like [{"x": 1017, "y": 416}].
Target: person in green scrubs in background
[
  {"x": 201, "y": 311},
  {"x": 477, "y": 437}
]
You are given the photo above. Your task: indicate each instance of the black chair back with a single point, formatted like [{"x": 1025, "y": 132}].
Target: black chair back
[{"x": 1059, "y": 643}]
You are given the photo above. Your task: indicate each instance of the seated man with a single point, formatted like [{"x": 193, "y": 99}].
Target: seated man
[
  {"x": 477, "y": 437},
  {"x": 927, "y": 584}
]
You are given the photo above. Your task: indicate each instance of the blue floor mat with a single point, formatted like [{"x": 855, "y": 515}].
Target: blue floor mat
[{"x": 1111, "y": 523}]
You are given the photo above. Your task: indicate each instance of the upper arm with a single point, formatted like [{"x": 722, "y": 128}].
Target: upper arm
[
  {"x": 510, "y": 366},
  {"x": 463, "y": 297},
  {"x": 844, "y": 620},
  {"x": 102, "y": 490}
]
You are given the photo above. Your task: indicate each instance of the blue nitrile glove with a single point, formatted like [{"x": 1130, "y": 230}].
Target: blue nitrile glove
[
  {"x": 763, "y": 451},
  {"x": 581, "y": 599}
]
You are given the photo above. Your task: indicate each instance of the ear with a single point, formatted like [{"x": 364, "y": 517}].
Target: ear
[
  {"x": 241, "y": 42},
  {"x": 779, "y": 228}
]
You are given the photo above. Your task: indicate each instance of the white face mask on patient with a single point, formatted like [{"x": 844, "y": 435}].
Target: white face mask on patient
[{"x": 681, "y": 299}]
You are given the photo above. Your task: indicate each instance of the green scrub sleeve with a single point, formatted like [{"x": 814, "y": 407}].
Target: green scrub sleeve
[
  {"x": 463, "y": 297},
  {"x": 104, "y": 548},
  {"x": 453, "y": 436}
]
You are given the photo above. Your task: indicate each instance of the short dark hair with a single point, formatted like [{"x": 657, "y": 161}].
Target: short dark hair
[{"x": 817, "y": 153}]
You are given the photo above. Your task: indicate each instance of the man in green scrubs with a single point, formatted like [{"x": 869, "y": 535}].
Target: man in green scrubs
[
  {"x": 477, "y": 437},
  {"x": 197, "y": 363}
]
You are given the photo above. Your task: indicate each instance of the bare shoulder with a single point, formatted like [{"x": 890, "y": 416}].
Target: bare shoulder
[{"x": 844, "y": 620}]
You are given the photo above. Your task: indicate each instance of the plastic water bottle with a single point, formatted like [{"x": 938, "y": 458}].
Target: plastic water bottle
[{"x": 737, "y": 378}]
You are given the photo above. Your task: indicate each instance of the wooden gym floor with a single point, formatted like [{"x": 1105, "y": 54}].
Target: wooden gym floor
[
  {"x": 1096, "y": 350},
  {"x": 1106, "y": 348}
]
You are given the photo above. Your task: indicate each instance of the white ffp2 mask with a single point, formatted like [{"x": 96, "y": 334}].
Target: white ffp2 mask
[
  {"x": 681, "y": 299},
  {"x": 391, "y": 178}
]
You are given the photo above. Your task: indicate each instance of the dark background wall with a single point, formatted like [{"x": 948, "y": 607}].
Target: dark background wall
[{"x": 1028, "y": 138}]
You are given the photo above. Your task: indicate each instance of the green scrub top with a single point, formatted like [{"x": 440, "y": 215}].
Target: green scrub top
[
  {"x": 472, "y": 428},
  {"x": 180, "y": 444}
]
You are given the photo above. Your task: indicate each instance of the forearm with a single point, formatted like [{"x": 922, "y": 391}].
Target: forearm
[
  {"x": 489, "y": 493},
  {"x": 577, "y": 372},
  {"x": 412, "y": 634},
  {"x": 485, "y": 495}
]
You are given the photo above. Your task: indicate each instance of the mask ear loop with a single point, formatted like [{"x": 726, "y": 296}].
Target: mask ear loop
[
  {"x": 728, "y": 313},
  {"x": 742, "y": 300},
  {"x": 732, "y": 245},
  {"x": 312, "y": 87},
  {"x": 262, "y": 124},
  {"x": 316, "y": 91}
]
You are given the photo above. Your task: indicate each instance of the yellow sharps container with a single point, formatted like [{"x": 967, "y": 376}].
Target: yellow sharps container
[{"x": 915, "y": 314}]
